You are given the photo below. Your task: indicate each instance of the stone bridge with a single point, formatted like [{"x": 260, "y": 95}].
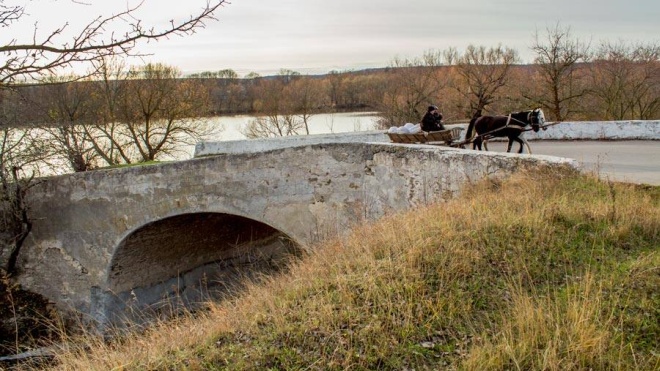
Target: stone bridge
[{"x": 108, "y": 242}]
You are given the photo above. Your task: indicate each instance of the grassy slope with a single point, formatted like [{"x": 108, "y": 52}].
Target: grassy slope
[{"x": 542, "y": 271}]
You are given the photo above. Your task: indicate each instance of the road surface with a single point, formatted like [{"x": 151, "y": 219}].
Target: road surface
[{"x": 634, "y": 161}]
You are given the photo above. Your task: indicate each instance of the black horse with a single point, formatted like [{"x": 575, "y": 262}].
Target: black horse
[{"x": 510, "y": 126}]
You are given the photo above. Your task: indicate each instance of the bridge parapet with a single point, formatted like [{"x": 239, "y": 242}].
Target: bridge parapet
[{"x": 570, "y": 130}]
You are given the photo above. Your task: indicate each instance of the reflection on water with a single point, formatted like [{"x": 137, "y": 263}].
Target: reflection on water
[{"x": 319, "y": 124}]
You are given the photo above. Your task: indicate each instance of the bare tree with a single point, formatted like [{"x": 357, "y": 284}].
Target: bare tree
[
  {"x": 159, "y": 112},
  {"x": 66, "y": 109},
  {"x": 286, "y": 75},
  {"x": 104, "y": 132},
  {"x": 251, "y": 82},
  {"x": 228, "y": 74},
  {"x": 19, "y": 151},
  {"x": 277, "y": 117},
  {"x": 335, "y": 79},
  {"x": 352, "y": 90},
  {"x": 558, "y": 59},
  {"x": 305, "y": 97},
  {"x": 227, "y": 93},
  {"x": 625, "y": 80},
  {"x": 411, "y": 86},
  {"x": 482, "y": 73}
]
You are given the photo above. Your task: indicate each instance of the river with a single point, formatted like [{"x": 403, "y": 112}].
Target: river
[{"x": 319, "y": 124}]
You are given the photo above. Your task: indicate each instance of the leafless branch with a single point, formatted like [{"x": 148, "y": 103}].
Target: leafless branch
[
  {"x": 9, "y": 14},
  {"x": 94, "y": 42}
]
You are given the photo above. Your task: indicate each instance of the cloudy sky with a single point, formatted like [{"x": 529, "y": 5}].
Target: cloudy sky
[{"x": 316, "y": 36}]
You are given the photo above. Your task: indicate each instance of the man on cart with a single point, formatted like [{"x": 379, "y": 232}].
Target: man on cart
[{"x": 432, "y": 120}]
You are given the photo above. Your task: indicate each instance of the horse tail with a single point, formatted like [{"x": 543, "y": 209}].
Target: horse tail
[{"x": 469, "y": 134}]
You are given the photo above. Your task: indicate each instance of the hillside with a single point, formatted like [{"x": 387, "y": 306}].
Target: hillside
[{"x": 541, "y": 271}]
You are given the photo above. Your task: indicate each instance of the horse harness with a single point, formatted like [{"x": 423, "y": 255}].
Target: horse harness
[{"x": 515, "y": 126}]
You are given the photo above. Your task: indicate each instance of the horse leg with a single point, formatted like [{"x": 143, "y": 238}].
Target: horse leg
[
  {"x": 476, "y": 143},
  {"x": 485, "y": 145},
  {"x": 517, "y": 139},
  {"x": 509, "y": 145}
]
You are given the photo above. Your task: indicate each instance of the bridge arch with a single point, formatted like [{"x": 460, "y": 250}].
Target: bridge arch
[{"x": 185, "y": 259}]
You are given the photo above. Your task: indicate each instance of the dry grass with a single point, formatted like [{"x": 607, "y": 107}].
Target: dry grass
[{"x": 539, "y": 272}]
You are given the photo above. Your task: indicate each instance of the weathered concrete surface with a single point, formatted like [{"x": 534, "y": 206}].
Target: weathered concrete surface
[
  {"x": 267, "y": 144},
  {"x": 579, "y": 130},
  {"x": 600, "y": 130},
  {"x": 103, "y": 238},
  {"x": 597, "y": 130}
]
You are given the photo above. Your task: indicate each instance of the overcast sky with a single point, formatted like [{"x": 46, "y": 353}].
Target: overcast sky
[{"x": 316, "y": 36}]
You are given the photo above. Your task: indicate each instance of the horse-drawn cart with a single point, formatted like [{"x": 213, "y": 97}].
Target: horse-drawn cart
[
  {"x": 485, "y": 128},
  {"x": 449, "y": 137}
]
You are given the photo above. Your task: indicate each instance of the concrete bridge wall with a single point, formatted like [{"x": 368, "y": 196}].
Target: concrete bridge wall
[
  {"x": 147, "y": 233},
  {"x": 578, "y": 130}
]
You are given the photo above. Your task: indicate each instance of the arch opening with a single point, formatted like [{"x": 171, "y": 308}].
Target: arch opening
[{"x": 186, "y": 260}]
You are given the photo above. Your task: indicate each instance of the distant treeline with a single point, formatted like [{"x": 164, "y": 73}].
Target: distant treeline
[
  {"x": 615, "y": 82},
  {"x": 615, "y": 87}
]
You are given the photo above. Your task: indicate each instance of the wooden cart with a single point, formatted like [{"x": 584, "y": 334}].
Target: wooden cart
[{"x": 449, "y": 137}]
